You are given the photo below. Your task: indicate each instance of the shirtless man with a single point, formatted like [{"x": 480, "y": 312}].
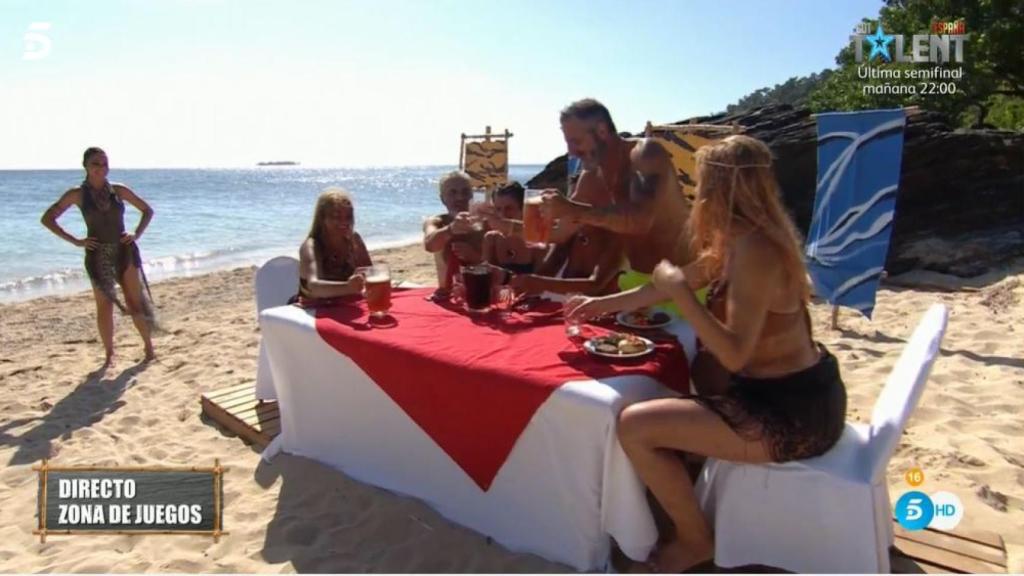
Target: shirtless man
[
  {"x": 451, "y": 236},
  {"x": 589, "y": 257},
  {"x": 590, "y": 135},
  {"x": 585, "y": 262},
  {"x": 651, "y": 218}
]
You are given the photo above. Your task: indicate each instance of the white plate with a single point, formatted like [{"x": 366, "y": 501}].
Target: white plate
[
  {"x": 623, "y": 319},
  {"x": 590, "y": 347}
]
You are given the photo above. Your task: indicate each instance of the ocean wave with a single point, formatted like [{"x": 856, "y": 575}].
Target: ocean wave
[
  {"x": 72, "y": 280},
  {"x": 55, "y": 279},
  {"x": 211, "y": 219}
]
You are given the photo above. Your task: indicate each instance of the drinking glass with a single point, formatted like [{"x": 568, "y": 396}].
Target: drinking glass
[
  {"x": 536, "y": 227},
  {"x": 377, "y": 288},
  {"x": 506, "y": 296},
  {"x": 572, "y": 325},
  {"x": 476, "y": 281},
  {"x": 476, "y": 207}
]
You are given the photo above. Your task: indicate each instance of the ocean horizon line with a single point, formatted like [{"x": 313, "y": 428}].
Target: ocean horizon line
[{"x": 254, "y": 166}]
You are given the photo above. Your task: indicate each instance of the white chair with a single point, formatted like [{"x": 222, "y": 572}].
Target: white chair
[
  {"x": 276, "y": 281},
  {"x": 825, "y": 514}
]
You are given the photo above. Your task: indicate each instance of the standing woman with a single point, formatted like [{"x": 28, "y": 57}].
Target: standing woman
[{"x": 111, "y": 254}]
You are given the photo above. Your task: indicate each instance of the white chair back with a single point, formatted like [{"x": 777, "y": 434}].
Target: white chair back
[
  {"x": 276, "y": 281},
  {"x": 903, "y": 389}
]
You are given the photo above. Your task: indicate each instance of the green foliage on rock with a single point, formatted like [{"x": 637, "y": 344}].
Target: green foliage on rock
[{"x": 990, "y": 92}]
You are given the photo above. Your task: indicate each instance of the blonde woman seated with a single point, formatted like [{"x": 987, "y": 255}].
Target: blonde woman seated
[
  {"x": 768, "y": 391},
  {"x": 333, "y": 251}
]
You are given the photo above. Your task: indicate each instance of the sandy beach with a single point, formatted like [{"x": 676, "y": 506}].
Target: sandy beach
[{"x": 297, "y": 515}]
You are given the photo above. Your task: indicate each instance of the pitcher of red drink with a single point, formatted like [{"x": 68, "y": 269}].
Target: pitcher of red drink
[{"x": 476, "y": 283}]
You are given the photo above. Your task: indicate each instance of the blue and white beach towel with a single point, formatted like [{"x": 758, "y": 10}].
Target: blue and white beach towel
[{"x": 859, "y": 156}]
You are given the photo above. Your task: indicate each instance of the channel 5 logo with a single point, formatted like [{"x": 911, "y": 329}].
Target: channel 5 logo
[{"x": 916, "y": 510}]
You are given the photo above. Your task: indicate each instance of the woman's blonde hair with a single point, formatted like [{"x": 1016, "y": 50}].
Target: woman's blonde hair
[
  {"x": 329, "y": 199},
  {"x": 736, "y": 185}
]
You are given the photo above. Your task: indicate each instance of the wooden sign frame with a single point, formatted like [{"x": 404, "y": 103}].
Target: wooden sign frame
[{"x": 218, "y": 505}]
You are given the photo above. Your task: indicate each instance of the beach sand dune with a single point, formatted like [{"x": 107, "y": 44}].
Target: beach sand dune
[{"x": 296, "y": 515}]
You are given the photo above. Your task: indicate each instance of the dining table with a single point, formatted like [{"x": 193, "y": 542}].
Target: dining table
[{"x": 499, "y": 419}]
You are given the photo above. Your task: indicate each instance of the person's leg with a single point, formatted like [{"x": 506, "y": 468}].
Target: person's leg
[
  {"x": 131, "y": 283},
  {"x": 651, "y": 433},
  {"x": 105, "y": 322},
  {"x": 443, "y": 285}
]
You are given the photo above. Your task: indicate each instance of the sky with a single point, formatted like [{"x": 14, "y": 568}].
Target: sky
[{"x": 347, "y": 83}]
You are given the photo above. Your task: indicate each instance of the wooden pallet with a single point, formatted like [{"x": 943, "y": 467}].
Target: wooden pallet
[
  {"x": 928, "y": 552},
  {"x": 237, "y": 409},
  {"x": 923, "y": 551},
  {"x": 920, "y": 552},
  {"x": 934, "y": 552}
]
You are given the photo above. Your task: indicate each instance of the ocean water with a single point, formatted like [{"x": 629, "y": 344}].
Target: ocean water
[{"x": 208, "y": 219}]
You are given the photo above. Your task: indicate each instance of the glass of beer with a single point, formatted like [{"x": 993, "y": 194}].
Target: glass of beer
[
  {"x": 476, "y": 281},
  {"x": 535, "y": 227},
  {"x": 378, "y": 289},
  {"x": 476, "y": 208}
]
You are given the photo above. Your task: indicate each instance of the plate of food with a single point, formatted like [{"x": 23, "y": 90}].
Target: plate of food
[
  {"x": 618, "y": 345},
  {"x": 643, "y": 319}
]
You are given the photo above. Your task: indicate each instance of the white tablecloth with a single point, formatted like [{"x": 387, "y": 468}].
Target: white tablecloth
[{"x": 564, "y": 489}]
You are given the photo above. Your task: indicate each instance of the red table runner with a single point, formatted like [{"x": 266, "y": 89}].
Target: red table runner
[{"x": 473, "y": 382}]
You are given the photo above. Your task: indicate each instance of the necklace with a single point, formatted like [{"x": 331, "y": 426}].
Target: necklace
[{"x": 100, "y": 196}]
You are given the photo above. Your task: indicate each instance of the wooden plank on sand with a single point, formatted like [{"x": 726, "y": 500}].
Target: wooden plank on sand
[
  {"x": 236, "y": 409},
  {"x": 229, "y": 391},
  {"x": 929, "y": 552},
  {"x": 948, "y": 560},
  {"x": 962, "y": 545}
]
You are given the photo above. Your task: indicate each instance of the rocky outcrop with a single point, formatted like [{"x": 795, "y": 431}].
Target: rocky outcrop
[{"x": 957, "y": 187}]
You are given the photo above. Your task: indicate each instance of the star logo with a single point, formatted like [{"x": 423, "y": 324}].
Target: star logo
[{"x": 879, "y": 44}]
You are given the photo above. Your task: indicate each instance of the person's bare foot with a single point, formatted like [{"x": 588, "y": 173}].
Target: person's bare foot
[
  {"x": 108, "y": 361},
  {"x": 150, "y": 355},
  {"x": 675, "y": 556}
]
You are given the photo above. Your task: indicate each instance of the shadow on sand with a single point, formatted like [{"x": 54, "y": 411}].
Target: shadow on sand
[
  {"x": 328, "y": 522},
  {"x": 878, "y": 337},
  {"x": 86, "y": 405}
]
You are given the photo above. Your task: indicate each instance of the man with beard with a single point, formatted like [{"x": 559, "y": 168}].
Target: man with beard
[
  {"x": 583, "y": 258},
  {"x": 590, "y": 135}
]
